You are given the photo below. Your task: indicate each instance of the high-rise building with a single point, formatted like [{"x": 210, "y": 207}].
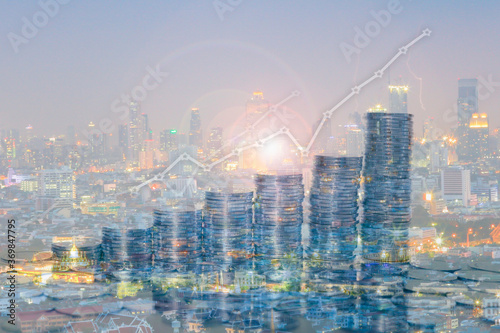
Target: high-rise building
[
  {"x": 438, "y": 155},
  {"x": 456, "y": 185},
  {"x": 195, "y": 134},
  {"x": 146, "y": 155},
  {"x": 476, "y": 144},
  {"x": 256, "y": 107},
  {"x": 168, "y": 140},
  {"x": 354, "y": 141},
  {"x": 387, "y": 186},
  {"x": 467, "y": 106},
  {"x": 398, "y": 99},
  {"x": 55, "y": 185},
  {"x": 334, "y": 211},
  {"x": 214, "y": 143},
  {"x": 123, "y": 139}
]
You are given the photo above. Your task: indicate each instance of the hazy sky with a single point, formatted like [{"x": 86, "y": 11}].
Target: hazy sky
[{"x": 91, "y": 52}]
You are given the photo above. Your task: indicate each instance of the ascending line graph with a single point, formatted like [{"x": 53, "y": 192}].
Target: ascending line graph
[{"x": 304, "y": 150}]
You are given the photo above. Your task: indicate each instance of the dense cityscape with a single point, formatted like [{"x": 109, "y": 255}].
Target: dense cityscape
[{"x": 374, "y": 224}]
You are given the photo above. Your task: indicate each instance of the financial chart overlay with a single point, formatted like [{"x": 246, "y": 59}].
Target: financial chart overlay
[{"x": 380, "y": 222}]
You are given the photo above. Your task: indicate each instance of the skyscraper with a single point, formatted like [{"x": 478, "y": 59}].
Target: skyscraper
[
  {"x": 256, "y": 107},
  {"x": 467, "y": 106},
  {"x": 195, "y": 134},
  {"x": 476, "y": 145},
  {"x": 134, "y": 126},
  {"x": 398, "y": 99},
  {"x": 456, "y": 185},
  {"x": 354, "y": 141},
  {"x": 214, "y": 143}
]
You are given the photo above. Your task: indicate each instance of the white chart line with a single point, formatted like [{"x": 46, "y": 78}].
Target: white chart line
[{"x": 285, "y": 131}]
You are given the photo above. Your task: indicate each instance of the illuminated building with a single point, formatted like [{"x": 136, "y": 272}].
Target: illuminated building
[
  {"x": 434, "y": 204},
  {"x": 168, "y": 140},
  {"x": 354, "y": 141},
  {"x": 398, "y": 99},
  {"x": 387, "y": 186},
  {"x": 195, "y": 134},
  {"x": 105, "y": 208},
  {"x": 476, "y": 144},
  {"x": 71, "y": 253},
  {"x": 146, "y": 155},
  {"x": 138, "y": 131},
  {"x": 55, "y": 185},
  {"x": 456, "y": 185},
  {"x": 467, "y": 106},
  {"x": 10, "y": 143},
  {"x": 215, "y": 143},
  {"x": 123, "y": 139},
  {"x": 378, "y": 109},
  {"x": 256, "y": 107},
  {"x": 438, "y": 155},
  {"x": 429, "y": 130}
]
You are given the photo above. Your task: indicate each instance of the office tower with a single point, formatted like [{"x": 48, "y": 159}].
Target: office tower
[
  {"x": 398, "y": 99},
  {"x": 354, "y": 141},
  {"x": 127, "y": 250},
  {"x": 477, "y": 139},
  {"x": 467, "y": 106},
  {"x": 168, "y": 140},
  {"x": 256, "y": 128},
  {"x": 429, "y": 132},
  {"x": 334, "y": 211},
  {"x": 146, "y": 133},
  {"x": 55, "y": 186},
  {"x": 10, "y": 143},
  {"x": 456, "y": 185},
  {"x": 387, "y": 186},
  {"x": 278, "y": 221},
  {"x": 227, "y": 233},
  {"x": 438, "y": 155},
  {"x": 135, "y": 133},
  {"x": 214, "y": 144},
  {"x": 146, "y": 155},
  {"x": 123, "y": 139},
  {"x": 195, "y": 134},
  {"x": 177, "y": 238}
]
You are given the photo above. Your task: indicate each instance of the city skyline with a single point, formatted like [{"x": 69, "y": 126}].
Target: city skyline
[{"x": 276, "y": 75}]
